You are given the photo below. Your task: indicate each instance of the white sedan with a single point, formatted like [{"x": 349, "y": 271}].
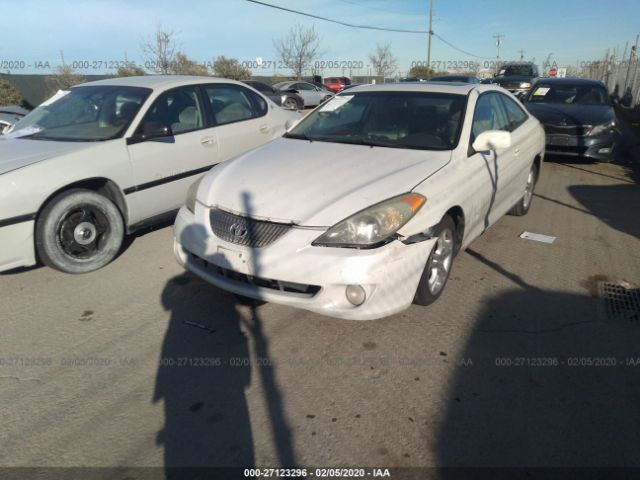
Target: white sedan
[
  {"x": 361, "y": 208},
  {"x": 106, "y": 158}
]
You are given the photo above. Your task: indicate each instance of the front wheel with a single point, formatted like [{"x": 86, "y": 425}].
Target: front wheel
[
  {"x": 79, "y": 231},
  {"x": 523, "y": 205},
  {"x": 436, "y": 272}
]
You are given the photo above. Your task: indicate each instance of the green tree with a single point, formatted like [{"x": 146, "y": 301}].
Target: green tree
[
  {"x": 132, "y": 71},
  {"x": 230, "y": 68},
  {"x": 183, "y": 65},
  {"x": 8, "y": 94},
  {"x": 421, "y": 72}
]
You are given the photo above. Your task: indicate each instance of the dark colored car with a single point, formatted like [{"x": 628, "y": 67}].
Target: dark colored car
[
  {"x": 577, "y": 116},
  {"x": 336, "y": 83},
  {"x": 455, "y": 78},
  {"x": 289, "y": 100},
  {"x": 10, "y": 115},
  {"x": 517, "y": 77}
]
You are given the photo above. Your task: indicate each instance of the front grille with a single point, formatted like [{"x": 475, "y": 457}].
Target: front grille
[
  {"x": 280, "y": 285},
  {"x": 572, "y": 130},
  {"x": 244, "y": 230},
  {"x": 567, "y": 149}
]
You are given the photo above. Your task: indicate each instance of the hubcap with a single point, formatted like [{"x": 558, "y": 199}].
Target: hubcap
[
  {"x": 81, "y": 232},
  {"x": 528, "y": 191},
  {"x": 84, "y": 233},
  {"x": 440, "y": 262}
]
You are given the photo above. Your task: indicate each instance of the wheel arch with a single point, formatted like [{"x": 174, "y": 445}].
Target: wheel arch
[
  {"x": 104, "y": 186},
  {"x": 537, "y": 161},
  {"x": 457, "y": 214}
]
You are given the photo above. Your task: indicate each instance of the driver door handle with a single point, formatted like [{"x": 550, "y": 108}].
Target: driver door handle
[
  {"x": 264, "y": 128},
  {"x": 516, "y": 151},
  {"x": 207, "y": 141}
]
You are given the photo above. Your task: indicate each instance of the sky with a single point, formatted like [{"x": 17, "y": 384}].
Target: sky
[{"x": 89, "y": 32}]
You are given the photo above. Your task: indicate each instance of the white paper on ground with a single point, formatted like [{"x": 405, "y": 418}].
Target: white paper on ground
[{"x": 538, "y": 237}]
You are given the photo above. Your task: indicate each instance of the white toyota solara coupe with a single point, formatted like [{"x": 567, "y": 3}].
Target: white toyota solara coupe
[
  {"x": 105, "y": 158},
  {"x": 360, "y": 208}
]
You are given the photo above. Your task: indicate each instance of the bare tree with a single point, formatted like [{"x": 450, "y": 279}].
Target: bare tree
[
  {"x": 383, "y": 61},
  {"x": 230, "y": 68},
  {"x": 183, "y": 65},
  {"x": 298, "y": 49},
  {"x": 64, "y": 78},
  {"x": 160, "y": 51}
]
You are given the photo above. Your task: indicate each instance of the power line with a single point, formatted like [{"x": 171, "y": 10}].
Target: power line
[
  {"x": 337, "y": 21},
  {"x": 368, "y": 27}
]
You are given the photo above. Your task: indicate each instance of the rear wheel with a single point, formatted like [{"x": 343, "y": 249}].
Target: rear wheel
[
  {"x": 522, "y": 207},
  {"x": 438, "y": 267},
  {"x": 290, "y": 103},
  {"x": 79, "y": 231}
]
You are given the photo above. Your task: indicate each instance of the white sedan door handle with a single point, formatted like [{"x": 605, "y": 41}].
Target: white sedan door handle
[
  {"x": 207, "y": 141},
  {"x": 517, "y": 151},
  {"x": 264, "y": 128}
]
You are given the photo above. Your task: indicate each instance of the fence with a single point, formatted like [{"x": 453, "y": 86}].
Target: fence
[{"x": 622, "y": 77}]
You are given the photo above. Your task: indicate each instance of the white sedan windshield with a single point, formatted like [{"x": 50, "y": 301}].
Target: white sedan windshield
[
  {"x": 416, "y": 120},
  {"x": 91, "y": 113}
]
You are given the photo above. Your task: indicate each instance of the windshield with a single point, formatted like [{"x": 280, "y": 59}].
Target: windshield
[
  {"x": 416, "y": 120},
  {"x": 513, "y": 70},
  {"x": 83, "y": 114},
  {"x": 569, "y": 94}
]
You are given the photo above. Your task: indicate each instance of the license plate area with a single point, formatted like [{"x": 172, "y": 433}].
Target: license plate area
[{"x": 558, "y": 140}]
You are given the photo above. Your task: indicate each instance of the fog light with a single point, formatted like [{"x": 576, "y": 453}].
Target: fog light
[
  {"x": 604, "y": 150},
  {"x": 355, "y": 294}
]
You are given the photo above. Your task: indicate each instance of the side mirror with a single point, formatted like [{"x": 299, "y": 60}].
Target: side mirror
[
  {"x": 152, "y": 130},
  {"x": 289, "y": 124},
  {"x": 492, "y": 140}
]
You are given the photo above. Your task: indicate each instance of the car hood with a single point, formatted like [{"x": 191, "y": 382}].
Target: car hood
[
  {"x": 315, "y": 183},
  {"x": 558, "y": 114},
  {"x": 19, "y": 152}
]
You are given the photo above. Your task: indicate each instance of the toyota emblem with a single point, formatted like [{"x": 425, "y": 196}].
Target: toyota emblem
[{"x": 238, "y": 230}]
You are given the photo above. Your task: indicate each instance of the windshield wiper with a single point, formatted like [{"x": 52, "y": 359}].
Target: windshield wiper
[{"x": 298, "y": 136}]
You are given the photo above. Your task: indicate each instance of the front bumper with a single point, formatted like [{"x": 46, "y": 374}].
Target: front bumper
[
  {"x": 16, "y": 246},
  {"x": 292, "y": 272},
  {"x": 599, "y": 147}
]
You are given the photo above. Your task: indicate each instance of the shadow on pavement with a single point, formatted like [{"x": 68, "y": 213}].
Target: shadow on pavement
[
  {"x": 543, "y": 382},
  {"x": 616, "y": 205},
  {"x": 206, "y": 365}
]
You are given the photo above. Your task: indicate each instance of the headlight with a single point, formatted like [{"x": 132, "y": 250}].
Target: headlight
[
  {"x": 598, "y": 129},
  {"x": 525, "y": 85},
  {"x": 191, "y": 195},
  {"x": 374, "y": 225},
  {"x": 283, "y": 98}
]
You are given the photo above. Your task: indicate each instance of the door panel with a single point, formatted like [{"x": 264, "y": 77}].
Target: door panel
[
  {"x": 241, "y": 116},
  {"x": 490, "y": 115},
  {"x": 164, "y": 168}
]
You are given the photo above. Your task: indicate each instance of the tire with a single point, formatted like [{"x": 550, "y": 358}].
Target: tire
[
  {"x": 522, "y": 207},
  {"x": 79, "y": 231},
  {"x": 436, "y": 271},
  {"x": 290, "y": 103}
]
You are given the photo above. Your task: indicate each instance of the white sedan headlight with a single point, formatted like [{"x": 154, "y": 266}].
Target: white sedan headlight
[
  {"x": 525, "y": 85},
  {"x": 373, "y": 226},
  {"x": 598, "y": 129},
  {"x": 191, "y": 195}
]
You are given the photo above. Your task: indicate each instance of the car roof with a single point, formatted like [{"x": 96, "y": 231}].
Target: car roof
[
  {"x": 158, "y": 81},
  {"x": 571, "y": 81},
  {"x": 459, "y": 88}
]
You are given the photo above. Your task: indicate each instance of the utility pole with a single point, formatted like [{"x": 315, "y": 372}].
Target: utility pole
[
  {"x": 634, "y": 52},
  {"x": 521, "y": 54},
  {"x": 430, "y": 34},
  {"x": 498, "y": 38}
]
